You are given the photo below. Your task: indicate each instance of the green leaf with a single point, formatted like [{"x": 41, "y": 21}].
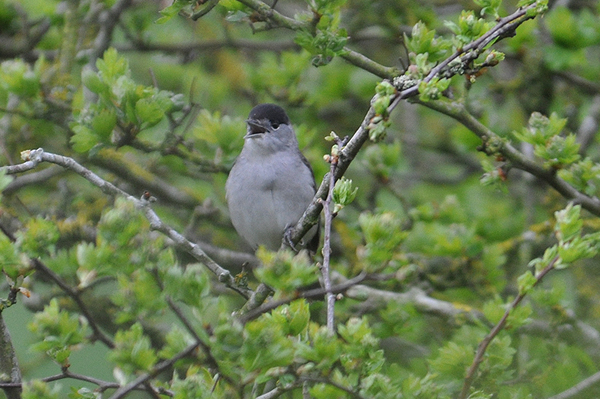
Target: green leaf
[
  {"x": 285, "y": 271},
  {"x": 293, "y": 318},
  {"x": 265, "y": 345},
  {"x": 133, "y": 351},
  {"x": 17, "y": 77},
  {"x": 583, "y": 175},
  {"x": 433, "y": 89},
  {"x": 83, "y": 139},
  {"x": 189, "y": 285},
  {"x": 112, "y": 66},
  {"x": 541, "y": 129},
  {"x": 343, "y": 193},
  {"x": 103, "y": 124},
  {"x": 37, "y": 389},
  {"x": 93, "y": 81},
  {"x": 11, "y": 262},
  {"x": 324, "y": 45},
  {"x": 176, "y": 341},
  {"x": 39, "y": 238},
  {"x": 568, "y": 223},
  {"x": 489, "y": 7},
  {"x": 59, "y": 332},
  {"x": 148, "y": 112},
  {"x": 424, "y": 41},
  {"x": 173, "y": 10},
  {"x": 526, "y": 282},
  {"x": 322, "y": 349},
  {"x": 559, "y": 151},
  {"x": 5, "y": 179},
  {"x": 383, "y": 235}
]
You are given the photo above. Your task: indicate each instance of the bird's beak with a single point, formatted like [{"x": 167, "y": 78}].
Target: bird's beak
[{"x": 257, "y": 126}]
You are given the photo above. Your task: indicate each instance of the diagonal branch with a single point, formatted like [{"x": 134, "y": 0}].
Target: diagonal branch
[
  {"x": 483, "y": 345},
  {"x": 34, "y": 157},
  {"x": 519, "y": 160},
  {"x": 159, "y": 368},
  {"x": 503, "y": 29}
]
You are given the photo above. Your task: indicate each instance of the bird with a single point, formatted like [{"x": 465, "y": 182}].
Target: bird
[{"x": 271, "y": 183}]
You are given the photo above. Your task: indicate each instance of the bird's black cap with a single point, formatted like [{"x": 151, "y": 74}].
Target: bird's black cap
[{"x": 273, "y": 113}]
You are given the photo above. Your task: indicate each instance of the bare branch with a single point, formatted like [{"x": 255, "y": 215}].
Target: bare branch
[
  {"x": 328, "y": 211},
  {"x": 577, "y": 389},
  {"x": 255, "y": 312},
  {"x": 32, "y": 178},
  {"x": 34, "y": 157}
]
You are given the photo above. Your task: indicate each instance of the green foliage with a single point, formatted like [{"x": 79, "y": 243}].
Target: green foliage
[
  {"x": 490, "y": 7},
  {"x": 572, "y": 244},
  {"x": 583, "y": 175},
  {"x": 215, "y": 131},
  {"x": 121, "y": 104},
  {"x": 19, "y": 78},
  {"x": 433, "y": 89},
  {"x": 175, "y": 8},
  {"x": 383, "y": 234},
  {"x": 445, "y": 255},
  {"x": 541, "y": 129},
  {"x": 40, "y": 390},
  {"x": 266, "y": 345},
  {"x": 423, "y": 40},
  {"x": 573, "y": 31},
  {"x": 343, "y": 194},
  {"x": 543, "y": 133},
  {"x": 328, "y": 40},
  {"x": 378, "y": 125},
  {"x": 133, "y": 352},
  {"x": 14, "y": 265},
  {"x": 285, "y": 271},
  {"x": 468, "y": 28},
  {"x": 197, "y": 384},
  {"x": 58, "y": 332}
]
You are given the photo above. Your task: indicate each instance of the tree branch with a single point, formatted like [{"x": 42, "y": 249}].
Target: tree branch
[
  {"x": 504, "y": 28},
  {"x": 159, "y": 368},
  {"x": 577, "y": 389},
  {"x": 9, "y": 366},
  {"x": 519, "y": 160},
  {"x": 483, "y": 345},
  {"x": 74, "y": 294},
  {"x": 34, "y": 157},
  {"x": 310, "y": 294},
  {"x": 268, "y": 14}
]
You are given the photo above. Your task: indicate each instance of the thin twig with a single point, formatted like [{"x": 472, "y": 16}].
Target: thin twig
[
  {"x": 75, "y": 295},
  {"x": 325, "y": 270},
  {"x": 159, "y": 368},
  {"x": 517, "y": 159},
  {"x": 501, "y": 30},
  {"x": 310, "y": 294},
  {"x": 483, "y": 345}
]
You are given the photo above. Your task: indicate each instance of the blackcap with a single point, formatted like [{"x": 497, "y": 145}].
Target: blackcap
[{"x": 271, "y": 183}]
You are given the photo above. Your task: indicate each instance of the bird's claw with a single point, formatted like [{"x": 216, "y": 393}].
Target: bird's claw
[{"x": 287, "y": 238}]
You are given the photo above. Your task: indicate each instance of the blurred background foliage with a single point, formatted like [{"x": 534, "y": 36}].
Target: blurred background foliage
[{"x": 157, "y": 102}]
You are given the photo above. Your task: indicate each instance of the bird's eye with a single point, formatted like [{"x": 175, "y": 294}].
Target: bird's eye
[{"x": 275, "y": 125}]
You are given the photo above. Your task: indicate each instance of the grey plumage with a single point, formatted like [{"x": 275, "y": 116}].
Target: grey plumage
[{"x": 271, "y": 183}]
